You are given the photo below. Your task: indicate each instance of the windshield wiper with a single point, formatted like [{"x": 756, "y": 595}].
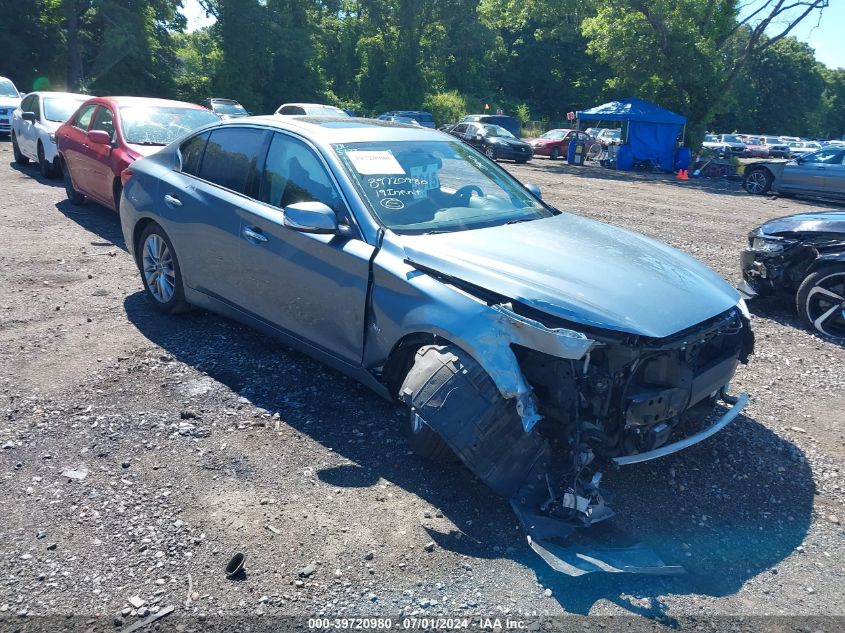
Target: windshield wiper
[
  {"x": 147, "y": 143},
  {"x": 518, "y": 220}
]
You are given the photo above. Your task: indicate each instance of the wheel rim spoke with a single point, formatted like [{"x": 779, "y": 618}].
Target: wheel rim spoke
[
  {"x": 159, "y": 272},
  {"x": 818, "y": 290},
  {"x": 830, "y": 314}
]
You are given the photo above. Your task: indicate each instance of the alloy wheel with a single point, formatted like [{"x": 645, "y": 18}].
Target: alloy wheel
[
  {"x": 756, "y": 182},
  {"x": 825, "y": 305},
  {"x": 159, "y": 271}
]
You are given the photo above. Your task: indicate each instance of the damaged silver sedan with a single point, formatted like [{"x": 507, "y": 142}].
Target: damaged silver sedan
[{"x": 533, "y": 344}]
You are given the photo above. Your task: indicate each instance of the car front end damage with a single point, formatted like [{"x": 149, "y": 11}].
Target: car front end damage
[
  {"x": 780, "y": 260},
  {"x": 590, "y": 396}
]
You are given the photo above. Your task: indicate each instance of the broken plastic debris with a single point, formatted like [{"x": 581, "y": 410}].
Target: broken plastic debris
[{"x": 79, "y": 473}]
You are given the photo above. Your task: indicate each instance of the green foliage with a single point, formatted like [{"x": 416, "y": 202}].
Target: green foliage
[
  {"x": 447, "y": 107},
  {"x": 522, "y": 113},
  {"x": 451, "y": 57}
]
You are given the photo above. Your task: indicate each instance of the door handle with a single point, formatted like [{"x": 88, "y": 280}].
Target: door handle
[
  {"x": 172, "y": 201},
  {"x": 254, "y": 234}
]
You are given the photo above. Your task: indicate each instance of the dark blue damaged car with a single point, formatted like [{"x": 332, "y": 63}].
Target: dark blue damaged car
[{"x": 533, "y": 344}]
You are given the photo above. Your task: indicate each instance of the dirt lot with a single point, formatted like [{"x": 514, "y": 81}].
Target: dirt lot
[{"x": 291, "y": 463}]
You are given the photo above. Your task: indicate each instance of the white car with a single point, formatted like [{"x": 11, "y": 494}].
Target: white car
[
  {"x": 310, "y": 109},
  {"x": 10, "y": 99},
  {"x": 34, "y": 125},
  {"x": 801, "y": 148}
]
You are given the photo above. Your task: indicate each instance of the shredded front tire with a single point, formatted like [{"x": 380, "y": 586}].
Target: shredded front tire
[{"x": 453, "y": 395}]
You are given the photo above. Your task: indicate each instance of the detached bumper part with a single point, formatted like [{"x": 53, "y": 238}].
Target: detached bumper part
[
  {"x": 668, "y": 449},
  {"x": 557, "y": 544}
]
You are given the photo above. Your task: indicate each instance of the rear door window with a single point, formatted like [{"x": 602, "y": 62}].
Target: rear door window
[{"x": 231, "y": 156}]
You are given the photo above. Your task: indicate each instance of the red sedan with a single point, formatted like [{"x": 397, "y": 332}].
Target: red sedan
[
  {"x": 106, "y": 134},
  {"x": 555, "y": 143}
]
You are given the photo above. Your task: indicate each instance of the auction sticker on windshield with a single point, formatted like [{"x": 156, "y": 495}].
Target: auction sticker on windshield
[{"x": 368, "y": 162}]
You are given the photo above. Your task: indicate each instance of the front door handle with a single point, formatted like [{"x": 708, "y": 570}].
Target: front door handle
[
  {"x": 172, "y": 201},
  {"x": 254, "y": 235}
]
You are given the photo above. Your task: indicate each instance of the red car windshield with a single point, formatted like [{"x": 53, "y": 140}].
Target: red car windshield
[{"x": 160, "y": 125}]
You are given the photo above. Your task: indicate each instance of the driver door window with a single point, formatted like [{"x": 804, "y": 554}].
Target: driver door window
[
  {"x": 83, "y": 119},
  {"x": 293, "y": 173},
  {"x": 104, "y": 121}
]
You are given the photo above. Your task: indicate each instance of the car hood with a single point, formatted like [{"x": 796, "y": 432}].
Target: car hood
[
  {"x": 9, "y": 102},
  {"x": 513, "y": 142},
  {"x": 812, "y": 222},
  {"x": 582, "y": 271}
]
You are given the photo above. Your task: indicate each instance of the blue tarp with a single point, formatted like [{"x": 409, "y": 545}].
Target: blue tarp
[{"x": 652, "y": 130}]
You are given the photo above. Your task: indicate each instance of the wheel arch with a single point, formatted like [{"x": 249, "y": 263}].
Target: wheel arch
[{"x": 137, "y": 230}]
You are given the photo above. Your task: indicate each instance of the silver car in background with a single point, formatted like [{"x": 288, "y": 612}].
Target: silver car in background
[
  {"x": 820, "y": 174},
  {"x": 413, "y": 263}
]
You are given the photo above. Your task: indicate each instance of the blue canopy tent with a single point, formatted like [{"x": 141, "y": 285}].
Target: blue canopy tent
[{"x": 652, "y": 131}]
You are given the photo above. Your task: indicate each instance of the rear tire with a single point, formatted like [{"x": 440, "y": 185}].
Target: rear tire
[
  {"x": 160, "y": 271},
  {"x": 757, "y": 181},
  {"x": 20, "y": 159},
  {"x": 462, "y": 411},
  {"x": 72, "y": 194},
  {"x": 817, "y": 297}
]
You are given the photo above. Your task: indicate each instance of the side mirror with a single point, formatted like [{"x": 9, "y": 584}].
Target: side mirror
[
  {"x": 479, "y": 136},
  {"x": 310, "y": 217},
  {"x": 100, "y": 137},
  {"x": 535, "y": 190},
  {"x": 29, "y": 116}
]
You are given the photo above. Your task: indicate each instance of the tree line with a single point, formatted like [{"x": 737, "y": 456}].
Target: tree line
[{"x": 729, "y": 65}]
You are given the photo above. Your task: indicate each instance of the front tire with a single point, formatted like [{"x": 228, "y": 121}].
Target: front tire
[
  {"x": 72, "y": 194},
  {"x": 160, "y": 271},
  {"x": 757, "y": 181},
  {"x": 459, "y": 409},
  {"x": 47, "y": 168},
  {"x": 821, "y": 300},
  {"x": 20, "y": 159},
  {"x": 555, "y": 153},
  {"x": 490, "y": 153}
]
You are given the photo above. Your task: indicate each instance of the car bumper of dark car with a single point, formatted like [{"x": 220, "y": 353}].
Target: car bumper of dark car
[
  {"x": 765, "y": 271},
  {"x": 514, "y": 153}
]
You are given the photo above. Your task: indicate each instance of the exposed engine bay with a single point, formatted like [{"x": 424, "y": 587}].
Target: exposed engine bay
[{"x": 629, "y": 398}]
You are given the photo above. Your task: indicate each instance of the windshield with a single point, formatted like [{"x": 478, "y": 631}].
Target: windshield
[
  {"x": 709, "y": 138},
  {"x": 772, "y": 140},
  {"x": 144, "y": 125},
  {"x": 612, "y": 133},
  {"x": 7, "y": 89},
  {"x": 324, "y": 111},
  {"x": 554, "y": 134},
  {"x": 730, "y": 138},
  {"x": 228, "y": 107},
  {"x": 417, "y": 187},
  {"x": 496, "y": 131},
  {"x": 59, "y": 109}
]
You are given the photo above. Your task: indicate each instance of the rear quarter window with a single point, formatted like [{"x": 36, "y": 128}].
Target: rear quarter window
[{"x": 191, "y": 153}]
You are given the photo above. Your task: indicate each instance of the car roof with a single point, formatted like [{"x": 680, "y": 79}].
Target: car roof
[
  {"x": 306, "y": 105},
  {"x": 123, "y": 102},
  {"x": 50, "y": 93},
  {"x": 335, "y": 129}
]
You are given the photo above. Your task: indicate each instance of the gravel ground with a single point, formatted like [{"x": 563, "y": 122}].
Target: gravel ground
[{"x": 140, "y": 452}]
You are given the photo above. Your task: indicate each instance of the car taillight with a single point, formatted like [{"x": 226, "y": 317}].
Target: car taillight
[{"x": 125, "y": 175}]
